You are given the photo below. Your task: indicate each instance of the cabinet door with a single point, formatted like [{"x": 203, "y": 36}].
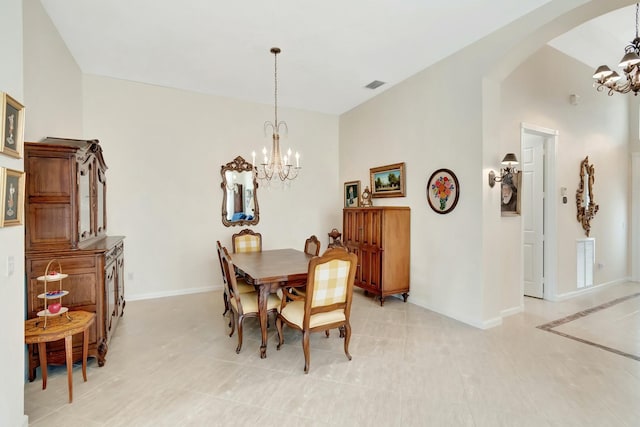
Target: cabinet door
[
  {"x": 370, "y": 267},
  {"x": 85, "y": 220},
  {"x": 101, "y": 205},
  {"x": 120, "y": 284},
  {"x": 110, "y": 273}
]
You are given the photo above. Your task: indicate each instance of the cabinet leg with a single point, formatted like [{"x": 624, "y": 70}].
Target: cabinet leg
[
  {"x": 405, "y": 296},
  {"x": 102, "y": 353},
  {"x": 381, "y": 301}
]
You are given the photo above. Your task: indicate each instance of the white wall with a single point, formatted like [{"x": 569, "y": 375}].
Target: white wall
[
  {"x": 538, "y": 92},
  {"x": 164, "y": 148},
  {"x": 12, "y": 238},
  {"x": 449, "y": 115},
  {"x": 53, "y": 80}
]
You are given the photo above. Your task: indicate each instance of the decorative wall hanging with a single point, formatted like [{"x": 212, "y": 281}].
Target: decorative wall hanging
[
  {"x": 510, "y": 194},
  {"x": 443, "y": 191},
  {"x": 12, "y": 126},
  {"x": 351, "y": 194},
  {"x": 585, "y": 201},
  {"x": 388, "y": 181},
  {"x": 12, "y": 193}
]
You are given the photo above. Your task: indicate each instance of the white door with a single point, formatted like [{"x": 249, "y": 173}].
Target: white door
[{"x": 532, "y": 205}]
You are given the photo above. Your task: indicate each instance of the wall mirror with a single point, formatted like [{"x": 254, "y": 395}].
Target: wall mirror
[
  {"x": 239, "y": 189},
  {"x": 585, "y": 203}
]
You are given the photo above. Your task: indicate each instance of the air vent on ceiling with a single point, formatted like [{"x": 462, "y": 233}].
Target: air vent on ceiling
[{"x": 374, "y": 84}]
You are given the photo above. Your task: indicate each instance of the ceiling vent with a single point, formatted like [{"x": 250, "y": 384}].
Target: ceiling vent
[{"x": 374, "y": 84}]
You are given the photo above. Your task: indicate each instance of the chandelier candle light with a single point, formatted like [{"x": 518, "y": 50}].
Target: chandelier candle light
[
  {"x": 274, "y": 165},
  {"x": 608, "y": 79}
]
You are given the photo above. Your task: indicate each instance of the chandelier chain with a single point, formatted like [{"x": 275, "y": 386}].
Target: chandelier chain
[{"x": 275, "y": 92}]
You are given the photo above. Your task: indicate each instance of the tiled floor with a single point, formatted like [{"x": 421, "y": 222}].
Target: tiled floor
[{"x": 171, "y": 363}]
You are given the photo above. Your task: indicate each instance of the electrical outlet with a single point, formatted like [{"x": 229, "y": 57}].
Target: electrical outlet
[{"x": 11, "y": 265}]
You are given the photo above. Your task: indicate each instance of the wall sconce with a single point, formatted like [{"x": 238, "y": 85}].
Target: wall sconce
[{"x": 510, "y": 160}]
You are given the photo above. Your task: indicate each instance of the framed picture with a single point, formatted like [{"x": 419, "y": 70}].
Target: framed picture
[
  {"x": 388, "y": 181},
  {"x": 12, "y": 126},
  {"x": 12, "y": 192},
  {"x": 351, "y": 194},
  {"x": 443, "y": 191},
  {"x": 510, "y": 194}
]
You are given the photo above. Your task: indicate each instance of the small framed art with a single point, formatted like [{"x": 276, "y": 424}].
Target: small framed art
[
  {"x": 351, "y": 194},
  {"x": 388, "y": 181},
  {"x": 12, "y": 126},
  {"x": 12, "y": 193},
  {"x": 443, "y": 191},
  {"x": 510, "y": 194}
]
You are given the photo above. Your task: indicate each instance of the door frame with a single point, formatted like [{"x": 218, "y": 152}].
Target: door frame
[{"x": 550, "y": 214}]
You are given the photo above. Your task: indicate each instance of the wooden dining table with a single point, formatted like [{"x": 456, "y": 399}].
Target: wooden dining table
[{"x": 268, "y": 271}]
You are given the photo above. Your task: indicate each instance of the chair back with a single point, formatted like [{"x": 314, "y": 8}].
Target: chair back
[
  {"x": 230, "y": 275},
  {"x": 330, "y": 283},
  {"x": 219, "y": 249},
  {"x": 312, "y": 246},
  {"x": 246, "y": 241}
]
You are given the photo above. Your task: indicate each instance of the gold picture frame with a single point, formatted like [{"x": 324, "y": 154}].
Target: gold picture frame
[
  {"x": 388, "y": 181},
  {"x": 351, "y": 194},
  {"x": 12, "y": 196},
  {"x": 11, "y": 126}
]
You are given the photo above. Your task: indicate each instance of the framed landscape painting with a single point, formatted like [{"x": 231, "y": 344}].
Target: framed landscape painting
[{"x": 388, "y": 181}]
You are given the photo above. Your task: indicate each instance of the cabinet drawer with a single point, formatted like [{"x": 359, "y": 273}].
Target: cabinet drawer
[{"x": 69, "y": 265}]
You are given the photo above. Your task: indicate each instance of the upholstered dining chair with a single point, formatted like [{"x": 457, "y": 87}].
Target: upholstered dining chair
[
  {"x": 327, "y": 304},
  {"x": 243, "y": 287},
  {"x": 246, "y": 240},
  {"x": 243, "y": 305}
]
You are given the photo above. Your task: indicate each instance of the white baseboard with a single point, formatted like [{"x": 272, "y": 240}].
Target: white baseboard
[
  {"x": 485, "y": 324},
  {"x": 573, "y": 294},
  {"x": 177, "y": 292},
  {"x": 25, "y": 421},
  {"x": 511, "y": 311}
]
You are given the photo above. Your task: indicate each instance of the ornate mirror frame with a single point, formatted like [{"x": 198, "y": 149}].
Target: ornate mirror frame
[
  {"x": 585, "y": 203},
  {"x": 239, "y": 171}
]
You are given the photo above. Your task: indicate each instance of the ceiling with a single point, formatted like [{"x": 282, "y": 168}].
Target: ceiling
[{"x": 331, "y": 49}]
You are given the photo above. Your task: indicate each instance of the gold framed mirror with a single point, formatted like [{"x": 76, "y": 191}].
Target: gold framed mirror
[
  {"x": 239, "y": 194},
  {"x": 585, "y": 202}
]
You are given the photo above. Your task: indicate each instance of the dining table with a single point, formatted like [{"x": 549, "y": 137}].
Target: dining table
[{"x": 268, "y": 271}]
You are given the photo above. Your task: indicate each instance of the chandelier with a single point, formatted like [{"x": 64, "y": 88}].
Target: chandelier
[
  {"x": 275, "y": 165},
  {"x": 606, "y": 79}
]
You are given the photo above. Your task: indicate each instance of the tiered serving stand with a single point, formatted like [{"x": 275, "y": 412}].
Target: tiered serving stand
[{"x": 52, "y": 276}]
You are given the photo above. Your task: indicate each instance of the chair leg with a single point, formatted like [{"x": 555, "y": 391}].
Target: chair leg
[
  {"x": 341, "y": 329},
  {"x": 240, "y": 321},
  {"x": 226, "y": 303},
  {"x": 305, "y": 350},
  {"x": 279, "y": 329},
  {"x": 347, "y": 337},
  {"x": 326, "y": 332},
  {"x": 232, "y": 323}
]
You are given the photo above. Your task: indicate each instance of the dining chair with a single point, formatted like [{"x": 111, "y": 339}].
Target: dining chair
[
  {"x": 243, "y": 305},
  {"x": 246, "y": 241},
  {"x": 312, "y": 246},
  {"x": 243, "y": 287},
  {"x": 328, "y": 301}
]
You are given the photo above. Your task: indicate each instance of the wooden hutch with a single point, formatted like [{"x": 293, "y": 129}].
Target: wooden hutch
[
  {"x": 380, "y": 237},
  {"x": 66, "y": 220}
]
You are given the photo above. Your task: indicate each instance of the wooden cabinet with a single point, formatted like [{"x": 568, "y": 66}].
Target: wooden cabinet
[
  {"x": 380, "y": 237},
  {"x": 65, "y": 205}
]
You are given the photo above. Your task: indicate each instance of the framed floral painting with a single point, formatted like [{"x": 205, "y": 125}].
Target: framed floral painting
[
  {"x": 12, "y": 193},
  {"x": 11, "y": 127},
  {"x": 443, "y": 191}
]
